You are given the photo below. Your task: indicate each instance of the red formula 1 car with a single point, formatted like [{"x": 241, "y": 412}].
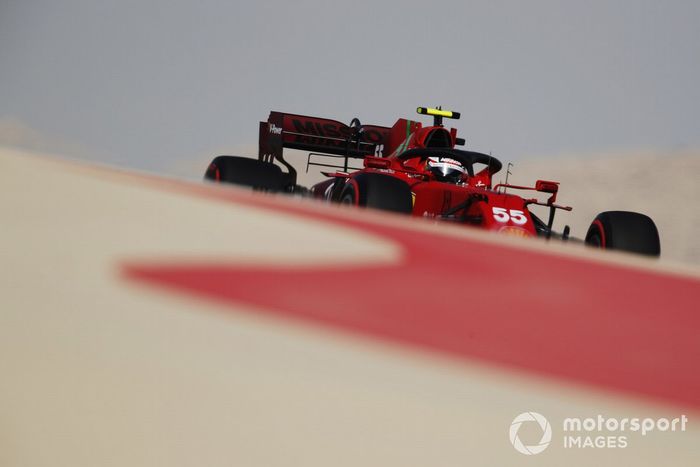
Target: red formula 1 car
[{"x": 415, "y": 169}]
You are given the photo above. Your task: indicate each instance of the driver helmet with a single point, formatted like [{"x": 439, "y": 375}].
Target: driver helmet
[{"x": 446, "y": 169}]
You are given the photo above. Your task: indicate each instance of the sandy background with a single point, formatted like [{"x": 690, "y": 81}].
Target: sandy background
[{"x": 662, "y": 185}]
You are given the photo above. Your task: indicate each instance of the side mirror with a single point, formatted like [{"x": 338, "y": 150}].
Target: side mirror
[{"x": 547, "y": 187}]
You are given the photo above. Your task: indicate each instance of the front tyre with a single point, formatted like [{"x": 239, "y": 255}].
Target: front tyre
[{"x": 624, "y": 231}]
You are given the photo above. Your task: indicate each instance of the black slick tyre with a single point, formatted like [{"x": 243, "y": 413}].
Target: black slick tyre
[
  {"x": 625, "y": 231},
  {"x": 245, "y": 171}
]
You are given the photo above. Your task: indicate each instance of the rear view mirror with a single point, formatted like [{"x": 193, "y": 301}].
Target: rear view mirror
[{"x": 546, "y": 187}]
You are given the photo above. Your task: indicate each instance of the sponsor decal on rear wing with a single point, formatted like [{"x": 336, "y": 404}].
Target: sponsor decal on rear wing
[{"x": 318, "y": 135}]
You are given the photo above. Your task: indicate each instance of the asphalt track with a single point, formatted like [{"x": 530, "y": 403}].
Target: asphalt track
[{"x": 150, "y": 321}]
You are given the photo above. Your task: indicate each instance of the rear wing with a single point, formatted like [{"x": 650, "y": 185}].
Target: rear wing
[{"x": 320, "y": 135}]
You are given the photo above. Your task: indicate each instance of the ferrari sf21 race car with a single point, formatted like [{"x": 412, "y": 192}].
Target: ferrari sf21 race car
[{"x": 417, "y": 170}]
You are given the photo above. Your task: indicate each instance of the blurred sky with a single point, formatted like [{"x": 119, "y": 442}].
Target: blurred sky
[{"x": 154, "y": 84}]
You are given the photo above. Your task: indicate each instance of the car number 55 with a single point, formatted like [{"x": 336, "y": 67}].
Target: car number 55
[{"x": 504, "y": 215}]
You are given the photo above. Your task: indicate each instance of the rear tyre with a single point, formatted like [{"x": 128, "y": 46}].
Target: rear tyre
[
  {"x": 624, "y": 231},
  {"x": 245, "y": 171},
  {"x": 378, "y": 191}
]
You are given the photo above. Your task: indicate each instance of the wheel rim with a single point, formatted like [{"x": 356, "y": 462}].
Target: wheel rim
[
  {"x": 594, "y": 240},
  {"x": 348, "y": 198}
]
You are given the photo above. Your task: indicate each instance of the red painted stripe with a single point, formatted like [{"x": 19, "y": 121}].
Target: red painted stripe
[{"x": 594, "y": 323}]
